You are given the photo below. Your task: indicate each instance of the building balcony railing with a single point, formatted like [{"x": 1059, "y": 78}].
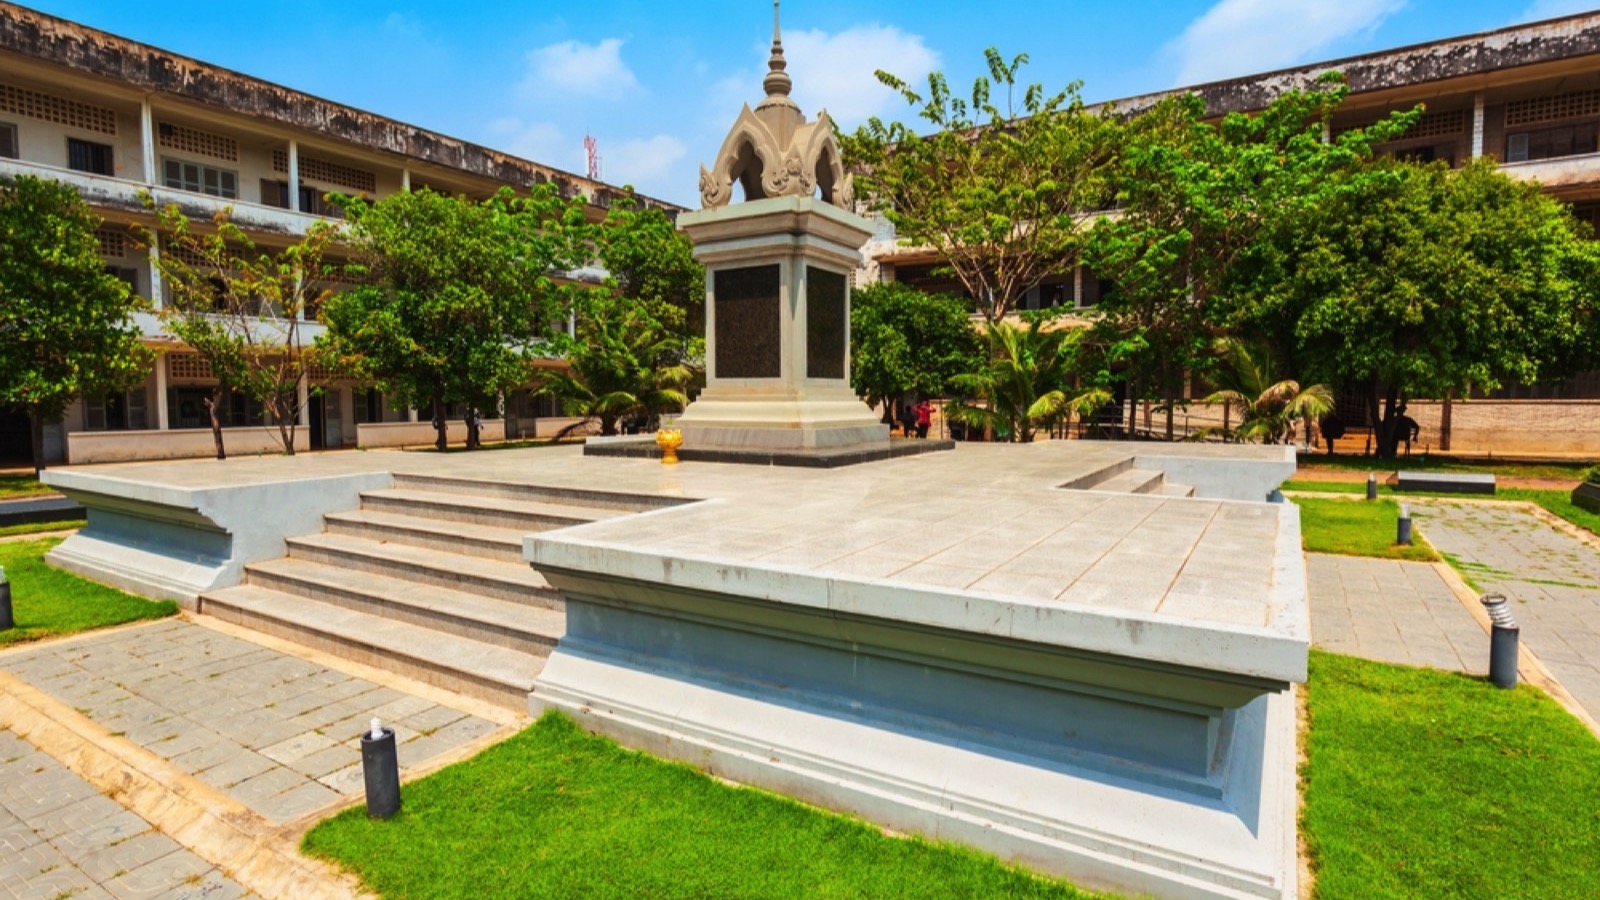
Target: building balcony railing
[
  {"x": 1558, "y": 172},
  {"x": 122, "y": 194}
]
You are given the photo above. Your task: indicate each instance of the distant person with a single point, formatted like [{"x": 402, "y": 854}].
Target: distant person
[
  {"x": 924, "y": 418},
  {"x": 908, "y": 419}
]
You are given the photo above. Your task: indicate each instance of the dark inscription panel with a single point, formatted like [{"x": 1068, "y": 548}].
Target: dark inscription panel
[
  {"x": 825, "y": 323},
  {"x": 749, "y": 341}
]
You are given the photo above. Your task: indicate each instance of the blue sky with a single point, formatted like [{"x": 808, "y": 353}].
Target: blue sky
[{"x": 658, "y": 83}]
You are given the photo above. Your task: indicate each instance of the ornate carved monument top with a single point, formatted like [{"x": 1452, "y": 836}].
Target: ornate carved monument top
[{"x": 772, "y": 151}]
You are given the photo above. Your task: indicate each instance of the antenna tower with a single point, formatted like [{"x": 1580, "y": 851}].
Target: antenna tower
[{"x": 591, "y": 148}]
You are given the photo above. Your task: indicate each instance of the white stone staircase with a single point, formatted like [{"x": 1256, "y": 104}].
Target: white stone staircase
[
  {"x": 426, "y": 579},
  {"x": 1123, "y": 478}
]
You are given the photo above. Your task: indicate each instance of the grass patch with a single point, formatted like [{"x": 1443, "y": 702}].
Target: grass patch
[
  {"x": 1557, "y": 503},
  {"x": 1438, "y": 463},
  {"x": 41, "y": 527},
  {"x": 47, "y": 602},
  {"x": 1357, "y": 529},
  {"x": 1421, "y": 783},
  {"x": 556, "y": 812},
  {"x": 22, "y": 485}
]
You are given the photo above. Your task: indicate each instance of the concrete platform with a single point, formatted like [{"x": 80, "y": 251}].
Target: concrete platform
[
  {"x": 958, "y": 644},
  {"x": 1444, "y": 482}
]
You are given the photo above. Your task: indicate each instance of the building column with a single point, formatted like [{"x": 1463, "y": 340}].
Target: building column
[
  {"x": 147, "y": 141},
  {"x": 303, "y": 396},
  {"x": 294, "y": 176},
  {"x": 161, "y": 392},
  {"x": 1477, "y": 125},
  {"x": 155, "y": 272},
  {"x": 405, "y": 180}
]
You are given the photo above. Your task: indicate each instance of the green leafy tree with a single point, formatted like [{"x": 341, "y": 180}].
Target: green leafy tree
[
  {"x": 1267, "y": 407},
  {"x": 461, "y": 294},
  {"x": 1194, "y": 198},
  {"x": 1412, "y": 281},
  {"x": 903, "y": 340},
  {"x": 996, "y": 190},
  {"x": 651, "y": 261},
  {"x": 1026, "y": 384},
  {"x": 66, "y": 325},
  {"x": 240, "y": 307},
  {"x": 624, "y": 360}
]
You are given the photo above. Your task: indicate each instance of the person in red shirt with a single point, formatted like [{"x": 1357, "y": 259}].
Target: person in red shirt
[{"x": 924, "y": 418}]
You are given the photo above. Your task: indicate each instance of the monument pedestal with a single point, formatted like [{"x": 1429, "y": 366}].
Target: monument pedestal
[{"x": 778, "y": 329}]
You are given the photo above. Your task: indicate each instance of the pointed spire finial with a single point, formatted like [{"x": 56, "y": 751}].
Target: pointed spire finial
[{"x": 777, "y": 82}]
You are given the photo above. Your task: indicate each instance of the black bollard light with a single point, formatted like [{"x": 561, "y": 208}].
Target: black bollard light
[
  {"x": 7, "y": 622},
  {"x": 1503, "y": 633},
  {"x": 380, "y": 766},
  {"x": 1403, "y": 535},
  {"x": 1372, "y": 485}
]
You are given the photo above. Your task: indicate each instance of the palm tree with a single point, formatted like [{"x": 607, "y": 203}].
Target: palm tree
[
  {"x": 1025, "y": 384},
  {"x": 1267, "y": 409},
  {"x": 623, "y": 363}
]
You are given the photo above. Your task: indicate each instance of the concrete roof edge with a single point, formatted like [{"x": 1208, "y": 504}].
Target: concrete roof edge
[
  {"x": 1529, "y": 43},
  {"x": 61, "y": 42}
]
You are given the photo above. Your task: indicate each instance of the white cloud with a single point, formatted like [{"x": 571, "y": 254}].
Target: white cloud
[
  {"x": 543, "y": 142},
  {"x": 650, "y": 164},
  {"x": 1552, "y": 9},
  {"x": 1238, "y": 37},
  {"x": 834, "y": 72},
  {"x": 573, "y": 68}
]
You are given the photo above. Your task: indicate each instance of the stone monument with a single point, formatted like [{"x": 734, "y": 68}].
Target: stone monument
[{"x": 778, "y": 267}]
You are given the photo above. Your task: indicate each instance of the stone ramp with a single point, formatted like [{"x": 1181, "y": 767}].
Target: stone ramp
[
  {"x": 1122, "y": 478},
  {"x": 426, "y": 579}
]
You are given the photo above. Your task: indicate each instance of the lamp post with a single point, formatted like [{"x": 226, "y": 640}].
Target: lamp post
[{"x": 1503, "y": 633}]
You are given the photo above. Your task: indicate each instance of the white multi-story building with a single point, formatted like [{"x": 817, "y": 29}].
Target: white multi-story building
[{"x": 114, "y": 118}]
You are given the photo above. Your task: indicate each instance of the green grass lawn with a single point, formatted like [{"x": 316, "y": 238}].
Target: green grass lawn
[
  {"x": 1421, "y": 783},
  {"x": 556, "y": 812},
  {"x": 1438, "y": 463},
  {"x": 1357, "y": 529},
  {"x": 41, "y": 527},
  {"x": 14, "y": 486},
  {"x": 47, "y": 602},
  {"x": 1557, "y": 503}
]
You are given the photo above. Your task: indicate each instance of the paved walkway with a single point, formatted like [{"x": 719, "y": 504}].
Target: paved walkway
[
  {"x": 1392, "y": 611},
  {"x": 276, "y": 733},
  {"x": 59, "y": 837},
  {"x": 1552, "y": 579}
]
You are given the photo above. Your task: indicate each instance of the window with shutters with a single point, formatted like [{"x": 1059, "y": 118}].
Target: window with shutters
[
  {"x": 1553, "y": 143},
  {"x": 8, "y": 141},
  {"x": 87, "y": 156},
  {"x": 116, "y": 412},
  {"x": 201, "y": 179}
]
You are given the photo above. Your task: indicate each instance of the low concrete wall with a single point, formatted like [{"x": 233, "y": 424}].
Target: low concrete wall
[
  {"x": 1222, "y": 471},
  {"x": 1510, "y": 427},
  {"x": 176, "y": 543},
  {"x": 550, "y": 426},
  {"x": 372, "y": 435},
  {"x": 85, "y": 447}
]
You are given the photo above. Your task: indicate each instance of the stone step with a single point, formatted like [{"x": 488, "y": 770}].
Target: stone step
[
  {"x": 523, "y": 515},
  {"x": 1173, "y": 489},
  {"x": 516, "y": 582},
  {"x": 536, "y": 493},
  {"x": 491, "y": 673},
  {"x": 1132, "y": 481},
  {"x": 465, "y": 538},
  {"x": 515, "y": 626}
]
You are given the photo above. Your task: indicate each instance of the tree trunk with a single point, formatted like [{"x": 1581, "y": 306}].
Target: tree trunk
[
  {"x": 1133, "y": 407},
  {"x": 1386, "y": 424},
  {"x": 441, "y": 428},
  {"x": 36, "y": 436},
  {"x": 212, "y": 402},
  {"x": 287, "y": 424}
]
